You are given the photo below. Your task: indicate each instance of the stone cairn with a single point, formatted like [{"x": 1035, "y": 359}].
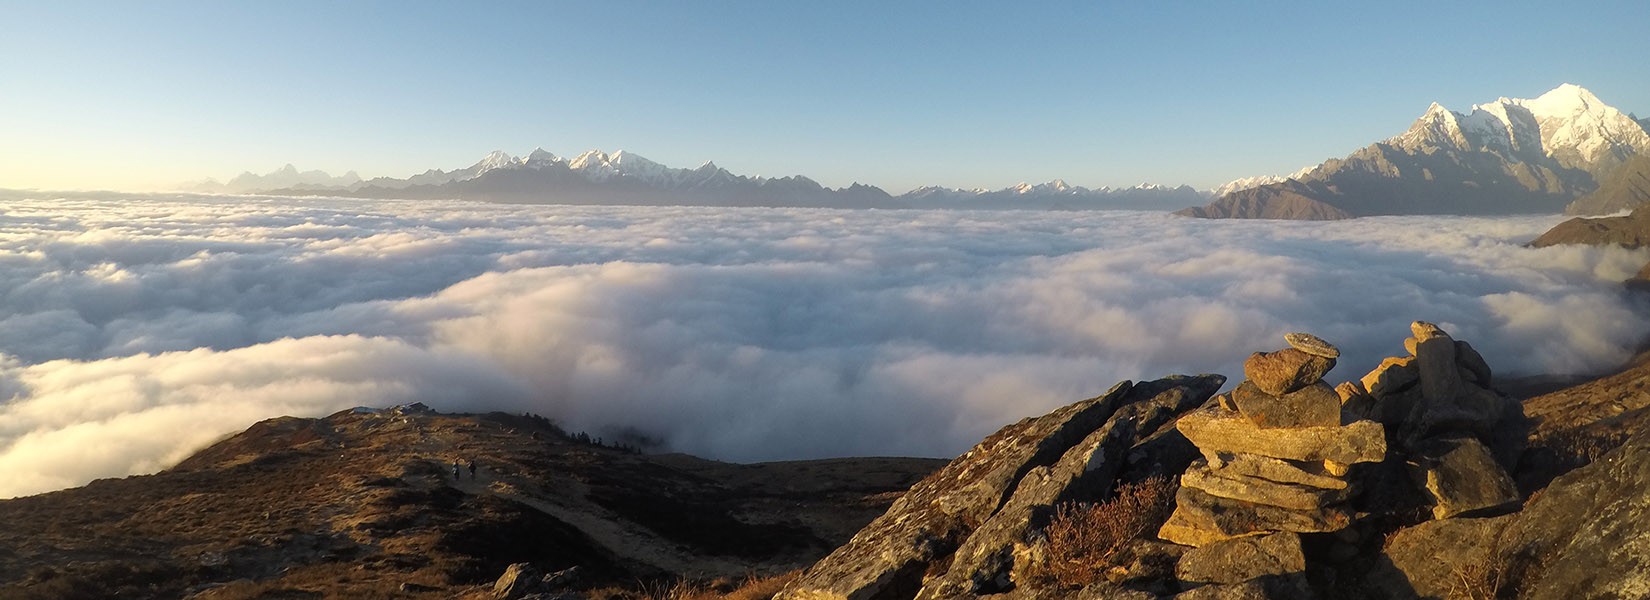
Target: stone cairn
[
  {"x": 1456, "y": 437},
  {"x": 1276, "y": 452}
]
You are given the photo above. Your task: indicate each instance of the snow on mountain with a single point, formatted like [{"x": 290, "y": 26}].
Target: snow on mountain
[
  {"x": 1244, "y": 183},
  {"x": 1568, "y": 124}
]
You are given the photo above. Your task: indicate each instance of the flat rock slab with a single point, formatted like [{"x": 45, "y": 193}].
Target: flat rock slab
[
  {"x": 1212, "y": 429},
  {"x": 1286, "y": 370},
  {"x": 1273, "y": 469},
  {"x": 1200, "y": 519},
  {"x": 1261, "y": 491},
  {"x": 1460, "y": 475},
  {"x": 1316, "y": 405},
  {"x": 1311, "y": 344},
  {"x": 1241, "y": 559}
]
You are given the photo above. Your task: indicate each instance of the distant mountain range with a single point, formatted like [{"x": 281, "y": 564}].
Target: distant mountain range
[
  {"x": 1503, "y": 157},
  {"x": 624, "y": 178},
  {"x": 1563, "y": 151}
]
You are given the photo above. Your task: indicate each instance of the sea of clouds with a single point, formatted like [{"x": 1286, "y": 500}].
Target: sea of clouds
[{"x": 136, "y": 329}]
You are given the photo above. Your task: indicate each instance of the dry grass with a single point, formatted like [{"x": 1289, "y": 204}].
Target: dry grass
[
  {"x": 1502, "y": 573},
  {"x": 752, "y": 588},
  {"x": 1083, "y": 537}
]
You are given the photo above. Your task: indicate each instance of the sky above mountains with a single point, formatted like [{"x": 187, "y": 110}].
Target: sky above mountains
[{"x": 144, "y": 96}]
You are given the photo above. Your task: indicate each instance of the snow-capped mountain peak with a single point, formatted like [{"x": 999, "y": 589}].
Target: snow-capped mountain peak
[
  {"x": 1569, "y": 124},
  {"x": 540, "y": 156},
  {"x": 494, "y": 160}
]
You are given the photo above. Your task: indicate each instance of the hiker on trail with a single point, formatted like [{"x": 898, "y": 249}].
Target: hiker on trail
[
  {"x": 455, "y": 471},
  {"x": 472, "y": 469}
]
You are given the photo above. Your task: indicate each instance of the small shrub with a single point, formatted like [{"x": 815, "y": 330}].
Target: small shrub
[
  {"x": 1083, "y": 537},
  {"x": 1502, "y": 573}
]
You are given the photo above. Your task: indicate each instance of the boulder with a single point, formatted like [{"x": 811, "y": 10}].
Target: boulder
[
  {"x": 1229, "y": 465},
  {"x": 1315, "y": 405},
  {"x": 1215, "y": 430},
  {"x": 1461, "y": 476},
  {"x": 1241, "y": 559},
  {"x": 1286, "y": 370},
  {"x": 518, "y": 580},
  {"x": 1261, "y": 491},
  {"x": 1472, "y": 408},
  {"x": 890, "y": 555},
  {"x": 1440, "y": 381},
  {"x": 1200, "y": 519},
  {"x": 1395, "y": 374},
  {"x": 1311, "y": 344},
  {"x": 1423, "y": 330},
  {"x": 1435, "y": 559},
  {"x": 1356, "y": 403}
]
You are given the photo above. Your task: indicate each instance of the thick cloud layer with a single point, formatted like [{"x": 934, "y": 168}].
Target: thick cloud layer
[{"x": 138, "y": 329}]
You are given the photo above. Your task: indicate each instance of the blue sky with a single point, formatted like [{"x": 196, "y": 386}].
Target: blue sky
[{"x": 144, "y": 95}]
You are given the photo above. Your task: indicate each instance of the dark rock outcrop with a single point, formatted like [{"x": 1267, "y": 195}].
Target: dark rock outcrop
[{"x": 956, "y": 533}]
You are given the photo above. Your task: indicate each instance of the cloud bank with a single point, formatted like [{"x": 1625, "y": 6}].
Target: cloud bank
[{"x": 136, "y": 329}]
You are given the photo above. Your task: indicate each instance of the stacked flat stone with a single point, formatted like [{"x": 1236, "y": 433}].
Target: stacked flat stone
[
  {"x": 1276, "y": 452},
  {"x": 1458, "y": 436}
]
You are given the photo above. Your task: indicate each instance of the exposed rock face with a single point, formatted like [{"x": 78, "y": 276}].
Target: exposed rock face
[
  {"x": 969, "y": 521},
  {"x": 1590, "y": 518}
]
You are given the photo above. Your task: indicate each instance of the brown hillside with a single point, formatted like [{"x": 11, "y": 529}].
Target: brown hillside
[{"x": 364, "y": 505}]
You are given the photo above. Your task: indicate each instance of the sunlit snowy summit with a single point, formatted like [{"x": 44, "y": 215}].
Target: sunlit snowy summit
[{"x": 1504, "y": 157}]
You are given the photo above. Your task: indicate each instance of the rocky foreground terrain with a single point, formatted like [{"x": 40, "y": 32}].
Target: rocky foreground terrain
[{"x": 1419, "y": 479}]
